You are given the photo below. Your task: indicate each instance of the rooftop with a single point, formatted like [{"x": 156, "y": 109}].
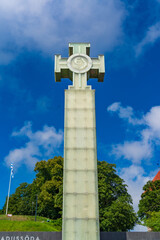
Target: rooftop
[{"x": 157, "y": 177}]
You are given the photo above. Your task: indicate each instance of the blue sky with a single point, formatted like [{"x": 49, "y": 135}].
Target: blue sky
[{"x": 127, "y": 103}]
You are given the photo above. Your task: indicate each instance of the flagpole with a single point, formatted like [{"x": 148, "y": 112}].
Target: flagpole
[{"x": 8, "y": 192}]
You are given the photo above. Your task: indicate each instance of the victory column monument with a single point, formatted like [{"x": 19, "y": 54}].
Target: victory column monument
[{"x": 80, "y": 182}]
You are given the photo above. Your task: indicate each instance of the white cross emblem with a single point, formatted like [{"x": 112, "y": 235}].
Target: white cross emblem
[{"x": 79, "y": 67}]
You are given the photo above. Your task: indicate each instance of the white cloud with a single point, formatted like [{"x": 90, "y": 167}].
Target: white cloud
[
  {"x": 126, "y": 113},
  {"x": 148, "y": 132},
  {"x": 38, "y": 145},
  {"x": 135, "y": 177},
  {"x": 146, "y": 136},
  {"x": 152, "y": 35},
  {"x": 134, "y": 151},
  {"x": 49, "y": 25},
  {"x": 152, "y": 119}
]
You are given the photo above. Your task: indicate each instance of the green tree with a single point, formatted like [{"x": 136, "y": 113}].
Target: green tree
[
  {"x": 115, "y": 204},
  {"x": 149, "y": 205},
  {"x": 150, "y": 199},
  {"x": 49, "y": 179},
  {"x": 21, "y": 201},
  {"x": 153, "y": 221}
]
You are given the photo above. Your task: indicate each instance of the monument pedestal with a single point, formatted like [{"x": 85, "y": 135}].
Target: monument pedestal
[{"x": 80, "y": 196}]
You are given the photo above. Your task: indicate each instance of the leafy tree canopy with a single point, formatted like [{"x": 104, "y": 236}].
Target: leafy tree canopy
[
  {"x": 115, "y": 204},
  {"x": 153, "y": 221},
  {"x": 150, "y": 199}
]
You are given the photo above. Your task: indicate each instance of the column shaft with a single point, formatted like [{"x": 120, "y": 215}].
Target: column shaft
[{"x": 80, "y": 182}]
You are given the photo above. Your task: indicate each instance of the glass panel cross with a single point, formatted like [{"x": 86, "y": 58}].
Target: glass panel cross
[{"x": 79, "y": 67}]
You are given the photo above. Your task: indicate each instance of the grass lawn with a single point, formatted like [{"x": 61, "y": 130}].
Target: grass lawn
[{"x": 27, "y": 223}]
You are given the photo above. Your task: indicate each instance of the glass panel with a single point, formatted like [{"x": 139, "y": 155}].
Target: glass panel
[
  {"x": 80, "y": 208},
  {"x": 70, "y": 206}
]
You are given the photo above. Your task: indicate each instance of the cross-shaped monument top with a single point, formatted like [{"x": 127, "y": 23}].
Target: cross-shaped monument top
[{"x": 79, "y": 67}]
